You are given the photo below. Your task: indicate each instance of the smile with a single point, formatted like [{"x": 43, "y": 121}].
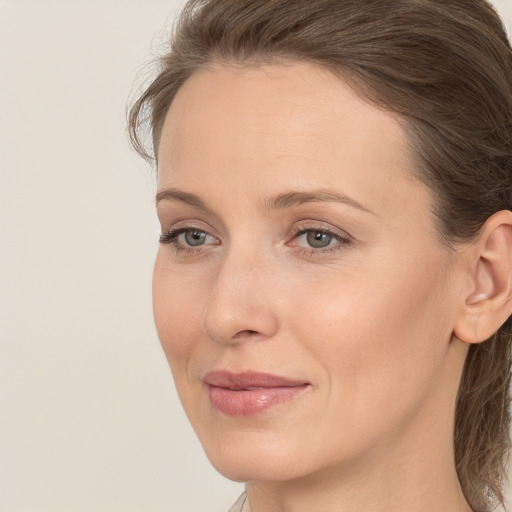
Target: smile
[{"x": 249, "y": 393}]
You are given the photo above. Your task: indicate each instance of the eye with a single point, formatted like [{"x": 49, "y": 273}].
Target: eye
[
  {"x": 195, "y": 237},
  {"x": 318, "y": 240},
  {"x": 188, "y": 238}
]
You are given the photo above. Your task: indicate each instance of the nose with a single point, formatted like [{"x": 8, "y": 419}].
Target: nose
[{"x": 242, "y": 301}]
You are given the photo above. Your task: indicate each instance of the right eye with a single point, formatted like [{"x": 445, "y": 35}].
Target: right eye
[{"x": 188, "y": 238}]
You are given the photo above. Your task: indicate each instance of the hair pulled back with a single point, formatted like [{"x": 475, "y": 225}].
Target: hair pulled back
[{"x": 445, "y": 67}]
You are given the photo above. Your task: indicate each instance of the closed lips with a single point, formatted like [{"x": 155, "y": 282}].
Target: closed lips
[
  {"x": 249, "y": 393},
  {"x": 248, "y": 380}
]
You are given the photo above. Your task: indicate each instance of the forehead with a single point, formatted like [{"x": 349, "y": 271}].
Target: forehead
[
  {"x": 275, "y": 123},
  {"x": 293, "y": 101}
]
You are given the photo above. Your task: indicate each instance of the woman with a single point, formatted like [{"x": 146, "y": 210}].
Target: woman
[{"x": 334, "y": 280}]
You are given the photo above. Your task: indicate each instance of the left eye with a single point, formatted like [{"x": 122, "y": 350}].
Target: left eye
[{"x": 317, "y": 238}]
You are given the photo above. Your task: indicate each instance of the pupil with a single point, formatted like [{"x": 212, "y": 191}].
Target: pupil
[
  {"x": 195, "y": 237},
  {"x": 317, "y": 239}
]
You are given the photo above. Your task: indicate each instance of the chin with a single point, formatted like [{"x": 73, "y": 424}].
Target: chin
[
  {"x": 246, "y": 457},
  {"x": 256, "y": 469}
]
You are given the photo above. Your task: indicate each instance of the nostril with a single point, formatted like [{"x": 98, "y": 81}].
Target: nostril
[{"x": 247, "y": 333}]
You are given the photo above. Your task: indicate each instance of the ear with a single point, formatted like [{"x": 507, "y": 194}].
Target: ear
[{"x": 489, "y": 302}]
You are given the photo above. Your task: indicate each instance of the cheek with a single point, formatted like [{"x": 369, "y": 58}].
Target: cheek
[
  {"x": 177, "y": 310},
  {"x": 377, "y": 335}
]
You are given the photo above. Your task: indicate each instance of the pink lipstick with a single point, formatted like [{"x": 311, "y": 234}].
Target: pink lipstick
[{"x": 248, "y": 393}]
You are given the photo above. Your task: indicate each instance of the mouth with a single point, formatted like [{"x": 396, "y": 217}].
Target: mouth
[{"x": 249, "y": 393}]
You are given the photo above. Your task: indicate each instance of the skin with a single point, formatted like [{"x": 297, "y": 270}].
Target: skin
[{"x": 368, "y": 321}]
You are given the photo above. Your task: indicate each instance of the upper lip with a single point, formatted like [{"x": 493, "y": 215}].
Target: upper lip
[{"x": 248, "y": 379}]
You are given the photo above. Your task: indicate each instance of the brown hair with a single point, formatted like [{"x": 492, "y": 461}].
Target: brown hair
[{"x": 445, "y": 66}]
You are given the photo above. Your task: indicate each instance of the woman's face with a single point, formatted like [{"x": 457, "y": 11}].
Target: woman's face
[{"x": 301, "y": 296}]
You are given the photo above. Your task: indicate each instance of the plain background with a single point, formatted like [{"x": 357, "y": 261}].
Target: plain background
[{"x": 89, "y": 419}]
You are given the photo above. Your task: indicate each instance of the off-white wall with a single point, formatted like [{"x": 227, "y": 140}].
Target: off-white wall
[{"x": 89, "y": 420}]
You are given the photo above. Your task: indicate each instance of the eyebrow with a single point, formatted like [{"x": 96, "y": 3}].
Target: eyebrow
[
  {"x": 281, "y": 201},
  {"x": 289, "y": 199},
  {"x": 174, "y": 194}
]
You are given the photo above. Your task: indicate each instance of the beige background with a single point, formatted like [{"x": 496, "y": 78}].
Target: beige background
[{"x": 89, "y": 420}]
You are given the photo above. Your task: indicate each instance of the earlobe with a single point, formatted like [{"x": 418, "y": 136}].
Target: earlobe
[
  {"x": 489, "y": 303},
  {"x": 475, "y": 299}
]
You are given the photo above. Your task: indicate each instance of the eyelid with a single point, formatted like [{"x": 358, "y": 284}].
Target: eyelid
[
  {"x": 186, "y": 224},
  {"x": 299, "y": 229},
  {"x": 174, "y": 233}
]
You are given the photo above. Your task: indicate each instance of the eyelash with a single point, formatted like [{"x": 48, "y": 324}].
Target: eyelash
[
  {"x": 343, "y": 241},
  {"x": 172, "y": 235}
]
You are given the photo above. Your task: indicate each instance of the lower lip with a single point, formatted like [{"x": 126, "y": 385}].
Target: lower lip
[{"x": 253, "y": 401}]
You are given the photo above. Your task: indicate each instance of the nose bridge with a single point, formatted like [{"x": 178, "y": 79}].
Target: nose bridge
[{"x": 240, "y": 302}]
